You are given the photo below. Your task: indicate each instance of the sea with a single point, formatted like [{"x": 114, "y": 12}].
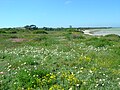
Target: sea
[{"x": 103, "y": 32}]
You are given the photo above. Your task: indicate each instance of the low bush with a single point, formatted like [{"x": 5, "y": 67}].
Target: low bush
[
  {"x": 13, "y": 36},
  {"x": 40, "y": 32},
  {"x": 1, "y": 31},
  {"x": 98, "y": 42},
  {"x": 12, "y": 32},
  {"x": 112, "y": 37},
  {"x": 40, "y": 38},
  {"x": 78, "y": 37}
]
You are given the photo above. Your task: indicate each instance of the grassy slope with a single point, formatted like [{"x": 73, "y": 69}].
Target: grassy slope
[{"x": 59, "y": 60}]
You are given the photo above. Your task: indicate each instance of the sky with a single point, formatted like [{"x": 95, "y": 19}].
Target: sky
[{"x": 60, "y": 13}]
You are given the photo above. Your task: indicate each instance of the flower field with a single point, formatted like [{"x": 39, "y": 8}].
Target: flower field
[{"x": 60, "y": 60}]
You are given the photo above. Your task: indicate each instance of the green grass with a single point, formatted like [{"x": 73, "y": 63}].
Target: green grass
[{"x": 59, "y": 60}]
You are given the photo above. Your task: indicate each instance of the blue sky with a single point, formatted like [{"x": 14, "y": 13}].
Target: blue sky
[{"x": 60, "y": 13}]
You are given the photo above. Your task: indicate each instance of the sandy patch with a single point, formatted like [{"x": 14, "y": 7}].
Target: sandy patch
[
  {"x": 17, "y": 39},
  {"x": 87, "y": 32},
  {"x": 90, "y": 32}
]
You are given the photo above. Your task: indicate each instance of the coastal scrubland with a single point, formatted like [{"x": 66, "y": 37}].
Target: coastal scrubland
[{"x": 58, "y": 60}]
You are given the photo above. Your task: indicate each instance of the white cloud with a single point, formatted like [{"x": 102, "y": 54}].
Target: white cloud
[{"x": 68, "y": 2}]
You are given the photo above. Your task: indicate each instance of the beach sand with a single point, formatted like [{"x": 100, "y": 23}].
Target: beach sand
[{"x": 87, "y": 32}]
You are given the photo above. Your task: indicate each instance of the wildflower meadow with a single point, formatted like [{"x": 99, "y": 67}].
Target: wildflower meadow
[{"x": 59, "y": 60}]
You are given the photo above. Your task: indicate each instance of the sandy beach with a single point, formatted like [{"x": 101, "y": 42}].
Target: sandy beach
[
  {"x": 102, "y": 32},
  {"x": 87, "y": 32}
]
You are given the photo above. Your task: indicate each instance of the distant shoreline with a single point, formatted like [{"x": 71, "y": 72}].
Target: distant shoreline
[
  {"x": 100, "y": 32},
  {"x": 90, "y": 32}
]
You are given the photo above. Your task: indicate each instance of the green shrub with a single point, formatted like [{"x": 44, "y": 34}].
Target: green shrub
[
  {"x": 74, "y": 35},
  {"x": 78, "y": 37},
  {"x": 40, "y": 38},
  {"x": 28, "y": 78},
  {"x": 1, "y": 31},
  {"x": 98, "y": 42},
  {"x": 112, "y": 37},
  {"x": 69, "y": 36},
  {"x": 40, "y": 32},
  {"x": 13, "y": 36},
  {"x": 12, "y": 32}
]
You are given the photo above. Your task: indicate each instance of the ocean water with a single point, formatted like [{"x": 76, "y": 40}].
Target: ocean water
[{"x": 103, "y": 32}]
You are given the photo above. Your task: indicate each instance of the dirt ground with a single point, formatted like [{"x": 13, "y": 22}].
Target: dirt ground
[{"x": 17, "y": 39}]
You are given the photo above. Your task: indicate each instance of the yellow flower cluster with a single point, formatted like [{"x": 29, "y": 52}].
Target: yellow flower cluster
[
  {"x": 46, "y": 80},
  {"x": 56, "y": 87},
  {"x": 71, "y": 79},
  {"x": 85, "y": 58}
]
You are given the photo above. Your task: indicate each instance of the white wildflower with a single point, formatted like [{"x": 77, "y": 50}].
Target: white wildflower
[
  {"x": 118, "y": 78},
  {"x": 103, "y": 79},
  {"x": 81, "y": 68},
  {"x": 91, "y": 71},
  {"x": 119, "y": 83},
  {"x": 103, "y": 74},
  {"x": 100, "y": 80},
  {"x": 33, "y": 75},
  {"x": 96, "y": 85},
  {"x": 1, "y": 72},
  {"x": 15, "y": 73},
  {"x": 77, "y": 85},
  {"x": 103, "y": 84},
  {"x": 8, "y": 70},
  {"x": 15, "y": 83},
  {"x": 70, "y": 88},
  {"x": 24, "y": 63}
]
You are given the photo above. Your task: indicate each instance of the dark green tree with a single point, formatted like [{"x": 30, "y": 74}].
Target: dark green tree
[{"x": 31, "y": 27}]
